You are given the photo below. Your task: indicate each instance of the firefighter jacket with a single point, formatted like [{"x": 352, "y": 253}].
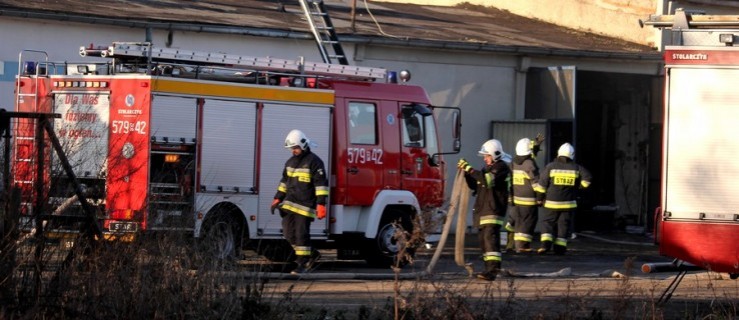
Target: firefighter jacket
[
  {"x": 303, "y": 184},
  {"x": 491, "y": 185},
  {"x": 561, "y": 180},
  {"x": 525, "y": 180}
]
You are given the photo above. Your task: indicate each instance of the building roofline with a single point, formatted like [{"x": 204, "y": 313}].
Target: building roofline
[{"x": 346, "y": 38}]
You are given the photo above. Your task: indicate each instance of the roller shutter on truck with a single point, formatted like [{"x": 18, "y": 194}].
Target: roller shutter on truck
[
  {"x": 173, "y": 118},
  {"x": 228, "y": 146},
  {"x": 702, "y": 145}
]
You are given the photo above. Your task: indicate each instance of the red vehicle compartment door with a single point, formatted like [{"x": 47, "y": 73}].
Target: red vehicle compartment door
[{"x": 370, "y": 161}]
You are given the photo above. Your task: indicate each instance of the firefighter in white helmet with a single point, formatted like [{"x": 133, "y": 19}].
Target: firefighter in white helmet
[
  {"x": 490, "y": 184},
  {"x": 301, "y": 197},
  {"x": 560, "y": 180},
  {"x": 524, "y": 198}
]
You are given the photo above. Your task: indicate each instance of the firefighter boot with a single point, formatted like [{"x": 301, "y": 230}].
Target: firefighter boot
[
  {"x": 523, "y": 247},
  {"x": 491, "y": 271},
  {"x": 302, "y": 262},
  {"x": 313, "y": 261},
  {"x": 545, "y": 247}
]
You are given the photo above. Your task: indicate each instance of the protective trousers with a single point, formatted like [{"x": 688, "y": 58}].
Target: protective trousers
[
  {"x": 296, "y": 229},
  {"x": 555, "y": 230},
  {"x": 526, "y": 218},
  {"x": 510, "y": 228},
  {"x": 489, "y": 236}
]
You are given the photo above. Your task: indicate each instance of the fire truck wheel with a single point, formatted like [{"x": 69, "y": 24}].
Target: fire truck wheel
[
  {"x": 382, "y": 251},
  {"x": 221, "y": 236}
]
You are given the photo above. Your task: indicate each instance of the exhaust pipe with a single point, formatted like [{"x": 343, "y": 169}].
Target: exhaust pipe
[{"x": 669, "y": 267}]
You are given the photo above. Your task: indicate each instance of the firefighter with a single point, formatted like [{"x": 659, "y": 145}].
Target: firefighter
[
  {"x": 560, "y": 180},
  {"x": 301, "y": 197},
  {"x": 490, "y": 185},
  {"x": 353, "y": 115},
  {"x": 525, "y": 180}
]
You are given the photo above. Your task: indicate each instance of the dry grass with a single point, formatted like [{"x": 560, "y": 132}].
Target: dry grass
[{"x": 165, "y": 277}]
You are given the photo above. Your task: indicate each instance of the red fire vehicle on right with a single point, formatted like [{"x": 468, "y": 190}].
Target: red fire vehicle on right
[{"x": 698, "y": 220}]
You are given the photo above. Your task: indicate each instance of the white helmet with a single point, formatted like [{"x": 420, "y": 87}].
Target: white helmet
[
  {"x": 492, "y": 147},
  {"x": 566, "y": 150},
  {"x": 522, "y": 147},
  {"x": 296, "y": 138}
]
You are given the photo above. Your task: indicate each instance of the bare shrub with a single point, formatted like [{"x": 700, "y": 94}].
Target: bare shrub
[{"x": 155, "y": 277}]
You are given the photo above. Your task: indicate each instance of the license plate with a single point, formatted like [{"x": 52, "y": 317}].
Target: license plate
[{"x": 123, "y": 227}]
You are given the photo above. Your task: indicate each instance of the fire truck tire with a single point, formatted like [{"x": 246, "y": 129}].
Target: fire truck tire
[
  {"x": 382, "y": 251},
  {"x": 221, "y": 236}
]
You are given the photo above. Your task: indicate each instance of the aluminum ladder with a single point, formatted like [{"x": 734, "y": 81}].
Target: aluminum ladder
[
  {"x": 323, "y": 31},
  {"x": 141, "y": 51}
]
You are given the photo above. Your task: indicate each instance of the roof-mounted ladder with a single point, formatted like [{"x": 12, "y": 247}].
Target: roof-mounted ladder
[
  {"x": 692, "y": 20},
  {"x": 145, "y": 51},
  {"x": 323, "y": 31}
]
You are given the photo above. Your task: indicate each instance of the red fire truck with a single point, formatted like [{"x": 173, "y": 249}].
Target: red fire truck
[
  {"x": 698, "y": 221},
  {"x": 167, "y": 139}
]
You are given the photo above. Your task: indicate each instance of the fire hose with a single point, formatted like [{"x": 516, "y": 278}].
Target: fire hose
[{"x": 458, "y": 203}]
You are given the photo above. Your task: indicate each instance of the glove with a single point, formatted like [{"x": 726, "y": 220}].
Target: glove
[
  {"x": 461, "y": 163},
  {"x": 320, "y": 211},
  {"x": 275, "y": 203},
  {"x": 464, "y": 165},
  {"x": 536, "y": 144},
  {"x": 540, "y": 197},
  {"x": 539, "y": 139}
]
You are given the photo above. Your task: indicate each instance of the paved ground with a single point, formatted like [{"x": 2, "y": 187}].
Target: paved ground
[
  {"x": 589, "y": 255},
  {"x": 600, "y": 273}
]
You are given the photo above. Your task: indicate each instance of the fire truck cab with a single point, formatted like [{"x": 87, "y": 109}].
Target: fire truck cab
[{"x": 177, "y": 140}]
